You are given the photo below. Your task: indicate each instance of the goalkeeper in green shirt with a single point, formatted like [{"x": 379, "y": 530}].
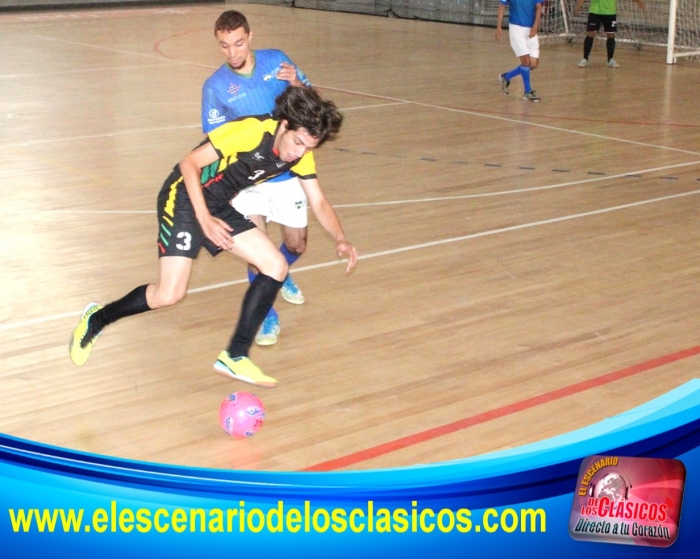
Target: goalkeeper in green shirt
[{"x": 601, "y": 12}]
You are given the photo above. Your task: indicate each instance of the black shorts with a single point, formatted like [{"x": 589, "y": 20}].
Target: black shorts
[
  {"x": 609, "y": 23},
  {"x": 179, "y": 232}
]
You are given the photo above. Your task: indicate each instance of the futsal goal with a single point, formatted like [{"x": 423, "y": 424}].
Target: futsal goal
[{"x": 671, "y": 24}]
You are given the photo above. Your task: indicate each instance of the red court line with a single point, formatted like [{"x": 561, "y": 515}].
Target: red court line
[{"x": 423, "y": 436}]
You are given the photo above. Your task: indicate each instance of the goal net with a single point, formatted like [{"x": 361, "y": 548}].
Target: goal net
[{"x": 670, "y": 24}]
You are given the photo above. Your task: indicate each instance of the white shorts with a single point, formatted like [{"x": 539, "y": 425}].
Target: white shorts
[
  {"x": 283, "y": 202},
  {"x": 521, "y": 42}
]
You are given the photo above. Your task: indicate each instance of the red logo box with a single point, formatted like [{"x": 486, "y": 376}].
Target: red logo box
[{"x": 627, "y": 500}]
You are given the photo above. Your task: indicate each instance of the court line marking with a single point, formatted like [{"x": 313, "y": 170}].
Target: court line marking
[
  {"x": 397, "y": 100},
  {"x": 512, "y": 120},
  {"x": 376, "y": 106},
  {"x": 149, "y": 130},
  {"x": 393, "y": 102},
  {"x": 85, "y": 70},
  {"x": 95, "y": 136},
  {"x": 110, "y": 49},
  {"x": 516, "y": 191},
  {"x": 399, "y": 202},
  {"x": 42, "y": 320},
  {"x": 497, "y": 413}
]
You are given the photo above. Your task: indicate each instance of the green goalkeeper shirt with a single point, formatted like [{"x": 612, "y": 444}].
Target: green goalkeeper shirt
[{"x": 603, "y": 7}]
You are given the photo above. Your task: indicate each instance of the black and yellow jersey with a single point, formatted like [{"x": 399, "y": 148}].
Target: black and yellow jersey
[{"x": 245, "y": 148}]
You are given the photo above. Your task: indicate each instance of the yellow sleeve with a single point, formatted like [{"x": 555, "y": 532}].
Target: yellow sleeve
[
  {"x": 306, "y": 168},
  {"x": 240, "y": 135}
]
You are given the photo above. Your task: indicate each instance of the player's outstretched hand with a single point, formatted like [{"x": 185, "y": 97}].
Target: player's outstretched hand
[
  {"x": 217, "y": 231},
  {"x": 344, "y": 247}
]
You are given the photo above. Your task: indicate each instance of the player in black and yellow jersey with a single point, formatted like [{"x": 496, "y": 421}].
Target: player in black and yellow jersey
[{"x": 194, "y": 211}]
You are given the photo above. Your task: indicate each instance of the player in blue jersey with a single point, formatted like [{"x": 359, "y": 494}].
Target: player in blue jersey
[
  {"x": 247, "y": 84},
  {"x": 194, "y": 211},
  {"x": 523, "y": 24}
]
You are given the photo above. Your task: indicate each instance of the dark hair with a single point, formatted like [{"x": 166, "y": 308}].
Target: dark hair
[
  {"x": 230, "y": 21},
  {"x": 303, "y": 107}
]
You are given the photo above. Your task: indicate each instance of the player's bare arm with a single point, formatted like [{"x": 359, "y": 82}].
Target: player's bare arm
[
  {"x": 324, "y": 212},
  {"x": 216, "y": 230},
  {"x": 499, "y": 22}
]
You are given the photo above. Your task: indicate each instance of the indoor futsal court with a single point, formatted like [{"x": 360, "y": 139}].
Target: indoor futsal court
[{"x": 526, "y": 269}]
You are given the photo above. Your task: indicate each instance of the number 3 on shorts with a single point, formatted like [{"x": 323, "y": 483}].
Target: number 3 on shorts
[{"x": 187, "y": 238}]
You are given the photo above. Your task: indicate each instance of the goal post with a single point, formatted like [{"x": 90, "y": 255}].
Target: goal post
[{"x": 683, "y": 39}]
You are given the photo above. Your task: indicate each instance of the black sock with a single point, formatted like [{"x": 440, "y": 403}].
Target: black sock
[
  {"x": 257, "y": 302},
  {"x": 587, "y": 46},
  {"x": 610, "y": 43},
  {"x": 132, "y": 303}
]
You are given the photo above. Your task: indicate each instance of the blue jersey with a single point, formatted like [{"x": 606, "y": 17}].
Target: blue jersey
[
  {"x": 227, "y": 95},
  {"x": 521, "y": 12}
]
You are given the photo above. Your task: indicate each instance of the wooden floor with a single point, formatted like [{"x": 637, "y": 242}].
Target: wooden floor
[{"x": 510, "y": 251}]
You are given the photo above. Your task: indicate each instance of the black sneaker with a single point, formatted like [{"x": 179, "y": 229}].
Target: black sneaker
[
  {"x": 531, "y": 96},
  {"x": 504, "y": 83}
]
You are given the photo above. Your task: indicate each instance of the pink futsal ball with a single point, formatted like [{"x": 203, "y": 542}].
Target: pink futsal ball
[{"x": 241, "y": 414}]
